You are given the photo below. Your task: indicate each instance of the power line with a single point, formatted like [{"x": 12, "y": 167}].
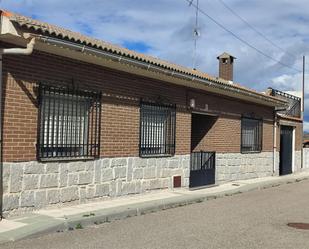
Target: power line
[
  {"x": 254, "y": 29},
  {"x": 239, "y": 38}
]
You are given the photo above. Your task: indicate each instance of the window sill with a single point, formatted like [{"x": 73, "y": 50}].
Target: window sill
[
  {"x": 251, "y": 152},
  {"x": 65, "y": 159},
  {"x": 157, "y": 156}
]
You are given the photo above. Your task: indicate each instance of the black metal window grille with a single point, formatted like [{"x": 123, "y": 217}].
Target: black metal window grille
[
  {"x": 69, "y": 123},
  {"x": 157, "y": 129},
  {"x": 251, "y": 135}
]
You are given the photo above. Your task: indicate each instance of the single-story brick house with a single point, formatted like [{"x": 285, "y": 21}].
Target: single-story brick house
[{"x": 83, "y": 120}]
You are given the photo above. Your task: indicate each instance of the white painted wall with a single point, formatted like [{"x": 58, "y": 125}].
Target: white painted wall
[{"x": 306, "y": 158}]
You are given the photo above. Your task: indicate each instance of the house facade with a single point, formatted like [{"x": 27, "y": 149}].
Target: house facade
[
  {"x": 85, "y": 120},
  {"x": 289, "y": 131}
]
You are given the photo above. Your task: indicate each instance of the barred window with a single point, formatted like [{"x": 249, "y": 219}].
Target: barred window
[
  {"x": 69, "y": 123},
  {"x": 157, "y": 129},
  {"x": 251, "y": 135}
]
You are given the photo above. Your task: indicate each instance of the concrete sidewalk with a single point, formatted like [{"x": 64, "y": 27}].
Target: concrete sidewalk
[{"x": 79, "y": 216}]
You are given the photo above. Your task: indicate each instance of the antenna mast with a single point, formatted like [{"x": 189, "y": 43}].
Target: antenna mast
[{"x": 196, "y": 34}]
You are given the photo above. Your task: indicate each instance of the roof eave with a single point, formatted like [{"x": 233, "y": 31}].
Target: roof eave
[{"x": 196, "y": 80}]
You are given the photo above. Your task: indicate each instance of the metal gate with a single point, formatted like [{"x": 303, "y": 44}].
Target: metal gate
[
  {"x": 202, "y": 169},
  {"x": 286, "y": 147}
]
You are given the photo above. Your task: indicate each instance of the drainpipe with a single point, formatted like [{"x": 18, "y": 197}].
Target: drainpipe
[
  {"x": 8, "y": 51},
  {"x": 275, "y": 142},
  {"x": 19, "y": 51},
  {"x": 275, "y": 137}
]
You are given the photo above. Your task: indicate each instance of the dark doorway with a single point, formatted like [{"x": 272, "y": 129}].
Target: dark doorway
[
  {"x": 201, "y": 126},
  {"x": 286, "y": 150},
  {"x": 203, "y": 160}
]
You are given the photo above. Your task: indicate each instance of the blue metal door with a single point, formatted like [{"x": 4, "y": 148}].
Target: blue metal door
[
  {"x": 202, "y": 169},
  {"x": 286, "y": 147}
]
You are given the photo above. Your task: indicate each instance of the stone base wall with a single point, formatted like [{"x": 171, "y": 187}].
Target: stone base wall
[
  {"x": 306, "y": 158},
  {"x": 236, "y": 166},
  {"x": 297, "y": 161},
  {"x": 32, "y": 185},
  {"x": 277, "y": 163}
]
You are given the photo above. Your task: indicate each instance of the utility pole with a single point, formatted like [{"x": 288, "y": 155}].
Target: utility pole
[
  {"x": 303, "y": 109},
  {"x": 303, "y": 87}
]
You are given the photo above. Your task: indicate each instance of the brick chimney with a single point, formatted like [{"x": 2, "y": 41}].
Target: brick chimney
[{"x": 226, "y": 66}]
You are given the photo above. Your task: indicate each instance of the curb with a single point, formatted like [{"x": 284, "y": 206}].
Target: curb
[
  {"x": 120, "y": 213},
  {"x": 97, "y": 217}
]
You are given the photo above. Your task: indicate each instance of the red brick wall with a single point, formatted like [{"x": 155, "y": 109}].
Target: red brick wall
[
  {"x": 20, "y": 122},
  {"x": 224, "y": 135},
  {"x": 120, "y": 108},
  {"x": 299, "y": 136},
  {"x": 226, "y": 69}
]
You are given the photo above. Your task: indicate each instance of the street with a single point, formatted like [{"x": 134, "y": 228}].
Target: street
[{"x": 251, "y": 220}]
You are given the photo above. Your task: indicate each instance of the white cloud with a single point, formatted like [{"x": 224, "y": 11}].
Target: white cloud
[{"x": 288, "y": 82}]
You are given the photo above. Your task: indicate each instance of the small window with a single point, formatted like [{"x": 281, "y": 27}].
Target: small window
[
  {"x": 69, "y": 123},
  {"x": 157, "y": 131},
  {"x": 251, "y": 135}
]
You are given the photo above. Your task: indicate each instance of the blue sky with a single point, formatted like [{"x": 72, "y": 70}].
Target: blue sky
[{"x": 164, "y": 28}]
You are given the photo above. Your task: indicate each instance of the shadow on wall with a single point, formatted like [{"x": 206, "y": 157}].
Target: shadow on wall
[{"x": 201, "y": 125}]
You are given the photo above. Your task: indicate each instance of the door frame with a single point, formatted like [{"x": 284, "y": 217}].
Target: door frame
[
  {"x": 292, "y": 149},
  {"x": 199, "y": 174}
]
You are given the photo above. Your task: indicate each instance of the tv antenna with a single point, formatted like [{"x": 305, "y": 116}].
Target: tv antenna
[{"x": 196, "y": 33}]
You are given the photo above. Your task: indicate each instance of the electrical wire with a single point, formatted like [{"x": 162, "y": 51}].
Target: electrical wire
[
  {"x": 239, "y": 38},
  {"x": 255, "y": 30}
]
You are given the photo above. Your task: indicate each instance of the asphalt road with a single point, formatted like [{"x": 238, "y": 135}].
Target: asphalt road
[{"x": 251, "y": 220}]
